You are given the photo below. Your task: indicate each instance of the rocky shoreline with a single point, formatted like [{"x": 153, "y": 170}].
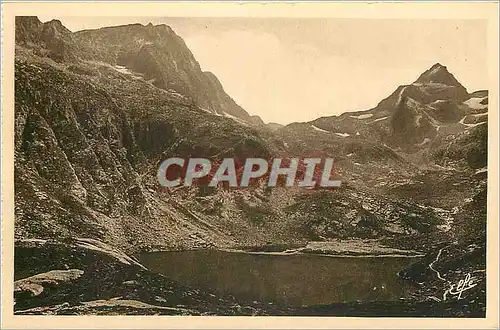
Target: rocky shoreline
[
  {"x": 334, "y": 248},
  {"x": 86, "y": 276}
]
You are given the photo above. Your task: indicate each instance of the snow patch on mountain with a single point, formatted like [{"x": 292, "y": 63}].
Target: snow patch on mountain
[
  {"x": 400, "y": 96},
  {"x": 173, "y": 92},
  {"x": 239, "y": 120},
  {"x": 426, "y": 140},
  {"x": 417, "y": 120},
  {"x": 470, "y": 125},
  {"x": 123, "y": 69},
  {"x": 319, "y": 129},
  {"x": 475, "y": 103},
  {"x": 363, "y": 116},
  {"x": 481, "y": 170},
  {"x": 380, "y": 119}
]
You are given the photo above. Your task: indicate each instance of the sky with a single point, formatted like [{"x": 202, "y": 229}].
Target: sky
[{"x": 294, "y": 70}]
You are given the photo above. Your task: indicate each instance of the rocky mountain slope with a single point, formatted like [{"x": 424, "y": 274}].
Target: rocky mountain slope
[
  {"x": 153, "y": 53},
  {"x": 434, "y": 107},
  {"x": 97, "y": 111}
]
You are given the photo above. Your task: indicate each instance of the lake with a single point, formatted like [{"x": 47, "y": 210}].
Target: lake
[{"x": 294, "y": 280}]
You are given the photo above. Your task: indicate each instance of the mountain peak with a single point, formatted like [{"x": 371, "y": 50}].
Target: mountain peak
[
  {"x": 438, "y": 66},
  {"x": 438, "y": 73},
  {"x": 57, "y": 26}
]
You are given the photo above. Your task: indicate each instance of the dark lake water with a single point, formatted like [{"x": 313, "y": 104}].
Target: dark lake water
[{"x": 295, "y": 280}]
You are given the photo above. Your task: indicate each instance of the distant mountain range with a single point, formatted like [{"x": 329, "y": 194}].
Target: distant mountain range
[{"x": 436, "y": 105}]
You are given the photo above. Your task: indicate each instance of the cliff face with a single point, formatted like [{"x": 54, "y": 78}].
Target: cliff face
[
  {"x": 50, "y": 39},
  {"x": 87, "y": 151},
  {"x": 90, "y": 135},
  {"x": 164, "y": 60}
]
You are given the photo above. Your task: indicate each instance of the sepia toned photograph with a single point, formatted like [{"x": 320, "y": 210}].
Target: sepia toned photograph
[{"x": 250, "y": 166}]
